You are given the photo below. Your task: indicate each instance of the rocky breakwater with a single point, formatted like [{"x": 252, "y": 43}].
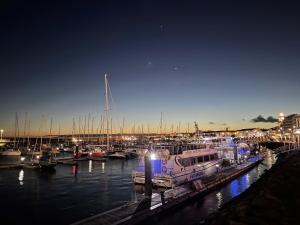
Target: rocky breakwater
[{"x": 273, "y": 199}]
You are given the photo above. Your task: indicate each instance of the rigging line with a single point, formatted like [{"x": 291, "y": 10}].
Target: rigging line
[{"x": 113, "y": 103}]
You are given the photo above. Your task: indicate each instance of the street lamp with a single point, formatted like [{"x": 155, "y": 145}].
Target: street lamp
[{"x": 1, "y": 133}]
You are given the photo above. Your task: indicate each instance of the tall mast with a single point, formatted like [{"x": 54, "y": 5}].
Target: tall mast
[
  {"x": 92, "y": 129},
  {"x": 15, "y": 138},
  {"x": 99, "y": 129},
  {"x": 106, "y": 110},
  {"x": 160, "y": 126},
  {"x": 25, "y": 124},
  {"x": 58, "y": 136},
  {"x": 123, "y": 125},
  {"x": 28, "y": 133},
  {"x": 88, "y": 127},
  {"x": 50, "y": 131},
  {"x": 43, "y": 118}
]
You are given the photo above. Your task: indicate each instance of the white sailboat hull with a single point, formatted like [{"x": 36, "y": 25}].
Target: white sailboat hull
[{"x": 10, "y": 153}]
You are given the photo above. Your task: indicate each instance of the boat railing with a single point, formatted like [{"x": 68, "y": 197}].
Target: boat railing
[{"x": 201, "y": 168}]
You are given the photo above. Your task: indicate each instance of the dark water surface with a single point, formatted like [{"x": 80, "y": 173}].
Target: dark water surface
[
  {"x": 69, "y": 194},
  {"x": 66, "y": 194}
]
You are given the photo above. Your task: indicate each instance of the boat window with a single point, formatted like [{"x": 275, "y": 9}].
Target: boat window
[
  {"x": 185, "y": 162},
  {"x": 206, "y": 158},
  {"x": 212, "y": 157},
  {"x": 200, "y": 159}
]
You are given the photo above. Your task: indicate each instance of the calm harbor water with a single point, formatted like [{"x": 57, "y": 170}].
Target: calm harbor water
[
  {"x": 72, "y": 193},
  {"x": 65, "y": 195}
]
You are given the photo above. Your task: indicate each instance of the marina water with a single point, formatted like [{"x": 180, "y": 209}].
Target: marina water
[{"x": 70, "y": 193}]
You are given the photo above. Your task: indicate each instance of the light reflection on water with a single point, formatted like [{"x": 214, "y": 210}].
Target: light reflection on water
[
  {"x": 220, "y": 199},
  {"x": 90, "y": 166},
  {"x": 103, "y": 167},
  {"x": 21, "y": 177}
]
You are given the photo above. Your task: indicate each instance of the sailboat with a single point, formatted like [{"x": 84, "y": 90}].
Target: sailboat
[
  {"x": 109, "y": 148},
  {"x": 96, "y": 151}
]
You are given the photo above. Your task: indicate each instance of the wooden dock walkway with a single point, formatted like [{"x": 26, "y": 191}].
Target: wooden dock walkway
[{"x": 136, "y": 212}]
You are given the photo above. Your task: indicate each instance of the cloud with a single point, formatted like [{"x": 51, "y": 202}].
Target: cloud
[
  {"x": 261, "y": 119},
  {"x": 213, "y": 123},
  {"x": 244, "y": 120}
]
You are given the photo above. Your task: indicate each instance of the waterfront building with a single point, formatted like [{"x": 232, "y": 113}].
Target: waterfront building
[{"x": 291, "y": 123}]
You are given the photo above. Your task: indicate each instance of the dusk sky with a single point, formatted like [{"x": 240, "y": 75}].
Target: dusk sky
[{"x": 221, "y": 63}]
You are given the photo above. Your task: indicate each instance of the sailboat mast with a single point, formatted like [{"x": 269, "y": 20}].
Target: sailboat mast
[
  {"x": 28, "y": 133},
  {"x": 50, "y": 131},
  {"x": 15, "y": 138},
  {"x": 24, "y": 132},
  {"x": 106, "y": 110},
  {"x": 58, "y": 136},
  {"x": 160, "y": 126}
]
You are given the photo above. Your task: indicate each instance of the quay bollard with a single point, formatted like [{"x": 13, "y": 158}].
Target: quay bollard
[
  {"x": 148, "y": 176},
  {"x": 162, "y": 195},
  {"x": 77, "y": 152},
  {"x": 146, "y": 202}
]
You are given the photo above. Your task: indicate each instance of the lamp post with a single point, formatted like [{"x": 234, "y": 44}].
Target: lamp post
[{"x": 1, "y": 133}]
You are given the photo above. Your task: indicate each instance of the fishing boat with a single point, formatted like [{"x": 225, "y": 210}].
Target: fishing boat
[
  {"x": 96, "y": 151},
  {"x": 176, "y": 164},
  {"x": 46, "y": 161}
]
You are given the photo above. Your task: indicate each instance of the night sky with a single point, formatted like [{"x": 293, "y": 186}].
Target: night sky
[{"x": 221, "y": 63}]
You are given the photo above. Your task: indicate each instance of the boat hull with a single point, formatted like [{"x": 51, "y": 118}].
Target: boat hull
[
  {"x": 171, "y": 181},
  {"x": 10, "y": 153},
  {"x": 97, "y": 154},
  {"x": 117, "y": 156}
]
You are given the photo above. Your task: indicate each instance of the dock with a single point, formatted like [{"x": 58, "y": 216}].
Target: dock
[{"x": 136, "y": 212}]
